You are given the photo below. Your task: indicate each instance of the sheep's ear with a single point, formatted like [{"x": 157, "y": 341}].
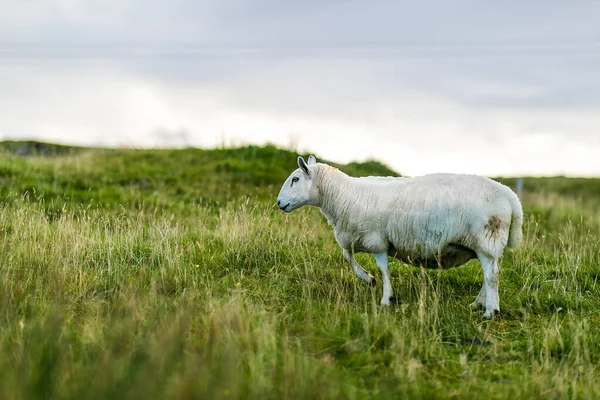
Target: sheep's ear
[
  {"x": 312, "y": 160},
  {"x": 302, "y": 164}
]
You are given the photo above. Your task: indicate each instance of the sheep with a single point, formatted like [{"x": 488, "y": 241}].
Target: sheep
[{"x": 433, "y": 221}]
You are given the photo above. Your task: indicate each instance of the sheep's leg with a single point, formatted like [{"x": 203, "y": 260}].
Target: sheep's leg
[
  {"x": 490, "y": 283},
  {"x": 360, "y": 272},
  {"x": 479, "y": 300},
  {"x": 382, "y": 262}
]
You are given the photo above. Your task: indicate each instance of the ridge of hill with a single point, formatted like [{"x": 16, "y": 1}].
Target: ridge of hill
[
  {"x": 164, "y": 178},
  {"x": 151, "y": 177}
]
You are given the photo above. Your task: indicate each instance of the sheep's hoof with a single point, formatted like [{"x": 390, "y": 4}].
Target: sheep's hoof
[
  {"x": 372, "y": 282},
  {"x": 391, "y": 300},
  {"x": 490, "y": 314}
]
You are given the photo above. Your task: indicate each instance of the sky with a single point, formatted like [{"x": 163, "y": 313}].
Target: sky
[{"x": 507, "y": 88}]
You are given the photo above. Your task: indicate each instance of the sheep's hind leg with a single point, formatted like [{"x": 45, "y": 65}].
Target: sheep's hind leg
[
  {"x": 490, "y": 283},
  {"x": 382, "y": 262},
  {"x": 360, "y": 272}
]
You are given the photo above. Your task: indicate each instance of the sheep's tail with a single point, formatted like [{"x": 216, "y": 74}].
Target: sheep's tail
[{"x": 515, "y": 234}]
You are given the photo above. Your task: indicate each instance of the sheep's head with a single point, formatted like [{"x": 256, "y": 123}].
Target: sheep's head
[{"x": 297, "y": 190}]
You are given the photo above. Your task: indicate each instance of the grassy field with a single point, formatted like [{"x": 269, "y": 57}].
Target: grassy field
[{"x": 171, "y": 274}]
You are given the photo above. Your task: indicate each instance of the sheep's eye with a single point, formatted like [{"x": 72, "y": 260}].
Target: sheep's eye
[{"x": 295, "y": 179}]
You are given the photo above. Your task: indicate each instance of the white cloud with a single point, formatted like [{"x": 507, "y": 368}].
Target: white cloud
[{"x": 461, "y": 88}]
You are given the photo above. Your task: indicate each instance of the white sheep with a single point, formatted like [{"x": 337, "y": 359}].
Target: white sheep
[{"x": 434, "y": 221}]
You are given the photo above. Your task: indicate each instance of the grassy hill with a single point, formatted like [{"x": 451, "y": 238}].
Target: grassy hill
[
  {"x": 171, "y": 274},
  {"x": 150, "y": 178}
]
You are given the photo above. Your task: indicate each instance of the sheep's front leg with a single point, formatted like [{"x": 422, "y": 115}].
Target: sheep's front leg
[
  {"x": 360, "y": 272},
  {"x": 382, "y": 262}
]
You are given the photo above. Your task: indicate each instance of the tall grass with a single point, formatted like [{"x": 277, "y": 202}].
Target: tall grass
[
  {"x": 246, "y": 302},
  {"x": 170, "y": 274}
]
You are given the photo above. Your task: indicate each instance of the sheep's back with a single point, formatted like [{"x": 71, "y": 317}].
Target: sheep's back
[{"x": 427, "y": 212}]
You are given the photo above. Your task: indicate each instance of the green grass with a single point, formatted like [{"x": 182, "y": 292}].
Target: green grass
[{"x": 171, "y": 274}]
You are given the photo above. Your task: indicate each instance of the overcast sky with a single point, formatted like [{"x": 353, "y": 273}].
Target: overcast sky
[{"x": 494, "y": 88}]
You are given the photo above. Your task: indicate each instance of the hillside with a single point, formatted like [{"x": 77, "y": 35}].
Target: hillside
[
  {"x": 162, "y": 274},
  {"x": 156, "y": 178},
  {"x": 152, "y": 178}
]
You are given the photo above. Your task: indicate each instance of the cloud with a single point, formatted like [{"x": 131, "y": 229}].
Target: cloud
[{"x": 505, "y": 88}]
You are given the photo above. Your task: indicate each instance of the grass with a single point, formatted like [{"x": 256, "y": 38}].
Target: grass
[{"x": 170, "y": 274}]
